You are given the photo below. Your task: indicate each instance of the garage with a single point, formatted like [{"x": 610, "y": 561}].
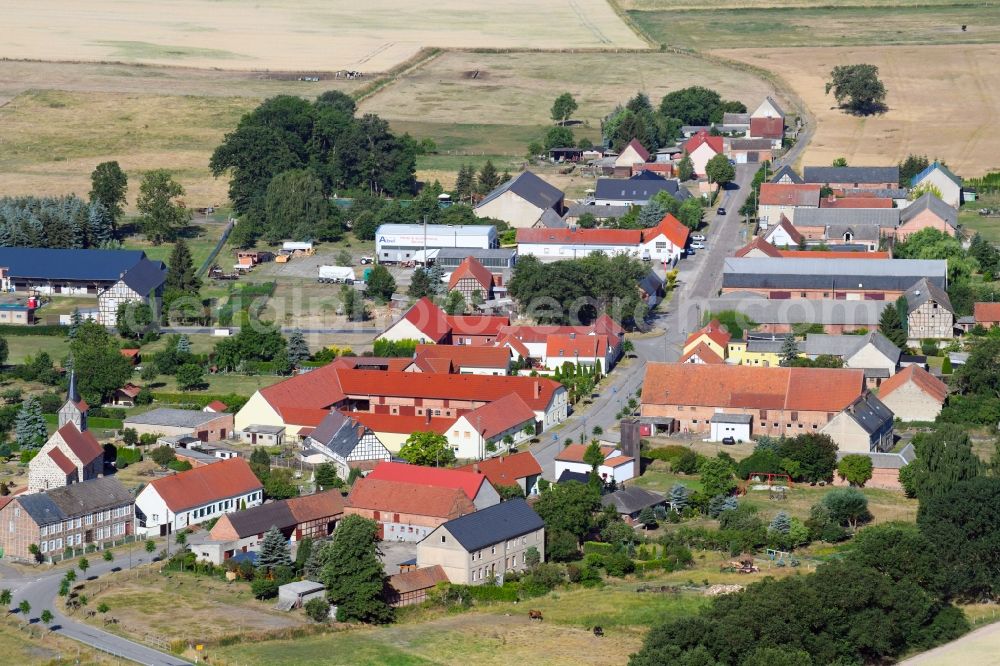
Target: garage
[{"x": 737, "y": 426}]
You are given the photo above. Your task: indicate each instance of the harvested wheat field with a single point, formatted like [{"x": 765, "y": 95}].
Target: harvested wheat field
[
  {"x": 301, "y": 34},
  {"x": 518, "y": 88},
  {"x": 50, "y": 140},
  {"x": 943, "y": 102}
]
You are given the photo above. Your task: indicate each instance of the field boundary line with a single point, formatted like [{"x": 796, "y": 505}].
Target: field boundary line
[
  {"x": 423, "y": 57},
  {"x": 632, "y": 25}
]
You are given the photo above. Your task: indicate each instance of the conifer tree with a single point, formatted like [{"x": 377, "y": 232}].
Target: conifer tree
[
  {"x": 274, "y": 550},
  {"x": 29, "y": 425},
  {"x": 298, "y": 349}
]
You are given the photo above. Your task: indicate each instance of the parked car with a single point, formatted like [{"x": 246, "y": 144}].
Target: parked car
[
  {"x": 697, "y": 246},
  {"x": 697, "y": 237},
  {"x": 720, "y": 211},
  {"x": 728, "y": 441}
]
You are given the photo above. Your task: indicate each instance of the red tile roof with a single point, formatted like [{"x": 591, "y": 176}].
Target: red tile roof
[
  {"x": 670, "y": 227},
  {"x": 714, "y": 331},
  {"x": 439, "y": 477},
  {"x": 855, "y": 202},
  {"x": 316, "y": 506},
  {"x": 639, "y": 148},
  {"x": 574, "y": 452},
  {"x": 788, "y": 228},
  {"x": 217, "y": 406},
  {"x": 789, "y": 194},
  {"x": 767, "y": 128},
  {"x": 500, "y": 415},
  {"x": 536, "y": 391},
  {"x": 506, "y": 470},
  {"x": 131, "y": 390},
  {"x": 392, "y": 496},
  {"x": 476, "y": 324},
  {"x": 204, "y": 485},
  {"x": 466, "y": 356},
  {"x": 916, "y": 375},
  {"x": 83, "y": 444},
  {"x": 392, "y": 363},
  {"x": 618, "y": 461},
  {"x": 832, "y": 254},
  {"x": 429, "y": 319},
  {"x": 417, "y": 579},
  {"x": 129, "y": 353},
  {"x": 318, "y": 389},
  {"x": 760, "y": 244},
  {"x": 60, "y": 459},
  {"x": 703, "y": 137},
  {"x": 704, "y": 352},
  {"x": 572, "y": 346},
  {"x": 742, "y": 386},
  {"x": 580, "y": 236},
  {"x": 986, "y": 313},
  {"x": 471, "y": 268},
  {"x": 440, "y": 365},
  {"x": 402, "y": 424}
]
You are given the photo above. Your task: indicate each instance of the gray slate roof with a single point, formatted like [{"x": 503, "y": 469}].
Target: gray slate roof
[
  {"x": 930, "y": 202},
  {"x": 146, "y": 276},
  {"x": 808, "y": 273},
  {"x": 766, "y": 345},
  {"x": 722, "y": 417},
  {"x": 893, "y": 193},
  {"x": 735, "y": 118},
  {"x": 886, "y": 218},
  {"x": 76, "y": 499},
  {"x": 70, "y": 264},
  {"x": 750, "y": 144},
  {"x": 600, "y": 212},
  {"x": 632, "y": 499},
  {"x": 787, "y": 171},
  {"x": 851, "y": 174},
  {"x": 494, "y": 524},
  {"x": 337, "y": 432},
  {"x": 859, "y": 232},
  {"x": 461, "y": 253},
  {"x": 175, "y": 418},
  {"x": 550, "y": 219},
  {"x": 923, "y": 291},
  {"x": 802, "y": 310},
  {"x": 633, "y": 189},
  {"x": 870, "y": 413},
  {"x": 846, "y": 346},
  {"x": 529, "y": 187},
  {"x": 569, "y": 475},
  {"x": 887, "y": 460},
  {"x": 260, "y": 519}
]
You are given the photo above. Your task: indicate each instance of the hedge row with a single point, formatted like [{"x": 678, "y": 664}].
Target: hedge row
[
  {"x": 233, "y": 401},
  {"x": 39, "y": 329},
  {"x": 92, "y": 421},
  {"x": 598, "y": 548}
]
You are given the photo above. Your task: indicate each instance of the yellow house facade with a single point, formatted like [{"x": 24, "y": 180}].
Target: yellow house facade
[{"x": 740, "y": 352}]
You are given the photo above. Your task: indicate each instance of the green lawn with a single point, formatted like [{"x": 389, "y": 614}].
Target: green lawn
[
  {"x": 704, "y": 30},
  {"x": 22, "y": 346},
  {"x": 201, "y": 237},
  {"x": 972, "y": 221},
  {"x": 239, "y": 384}
]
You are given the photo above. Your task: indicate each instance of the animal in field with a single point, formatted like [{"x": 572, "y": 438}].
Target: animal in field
[
  {"x": 598, "y": 631},
  {"x": 535, "y": 615}
]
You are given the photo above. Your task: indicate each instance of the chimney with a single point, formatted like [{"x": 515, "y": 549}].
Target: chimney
[
  {"x": 475, "y": 468},
  {"x": 428, "y": 416},
  {"x": 538, "y": 390},
  {"x": 501, "y": 460}
]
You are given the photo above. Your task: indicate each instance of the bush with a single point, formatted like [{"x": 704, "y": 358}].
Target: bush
[
  {"x": 687, "y": 463},
  {"x": 233, "y": 401},
  {"x": 618, "y": 564},
  {"x": 263, "y": 588},
  {"x": 491, "y": 593},
  {"x": 317, "y": 609},
  {"x": 128, "y": 455},
  {"x": 542, "y": 579},
  {"x": 598, "y": 548},
  {"x": 55, "y": 330},
  {"x": 668, "y": 454}
]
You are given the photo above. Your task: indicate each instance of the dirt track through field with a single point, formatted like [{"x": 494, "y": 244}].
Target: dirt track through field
[{"x": 978, "y": 648}]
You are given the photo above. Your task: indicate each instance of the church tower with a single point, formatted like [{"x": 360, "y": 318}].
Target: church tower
[{"x": 74, "y": 410}]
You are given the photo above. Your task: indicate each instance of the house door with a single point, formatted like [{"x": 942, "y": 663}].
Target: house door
[
  {"x": 88, "y": 537},
  {"x": 202, "y": 435},
  {"x": 381, "y": 532},
  {"x": 253, "y": 438},
  {"x": 163, "y": 529}
]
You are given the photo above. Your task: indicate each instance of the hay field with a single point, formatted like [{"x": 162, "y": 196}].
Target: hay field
[
  {"x": 518, "y": 88},
  {"x": 753, "y": 26},
  {"x": 772, "y": 4},
  {"x": 942, "y": 100},
  {"x": 51, "y": 140},
  {"x": 298, "y": 34}
]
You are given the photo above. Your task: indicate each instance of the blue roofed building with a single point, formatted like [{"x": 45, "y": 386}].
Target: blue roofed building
[
  {"x": 113, "y": 277},
  {"x": 481, "y": 547}
]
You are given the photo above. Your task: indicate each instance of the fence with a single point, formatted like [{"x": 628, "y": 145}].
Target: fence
[{"x": 90, "y": 549}]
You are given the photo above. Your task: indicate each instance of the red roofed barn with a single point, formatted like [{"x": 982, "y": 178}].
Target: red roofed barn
[
  {"x": 471, "y": 277},
  {"x": 406, "y": 511},
  {"x": 475, "y": 487}
]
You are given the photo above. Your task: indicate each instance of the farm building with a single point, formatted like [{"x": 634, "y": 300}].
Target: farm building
[
  {"x": 206, "y": 426},
  {"x": 616, "y": 465},
  {"x": 635, "y": 191},
  {"x": 947, "y": 183},
  {"x": 521, "y": 201},
  {"x": 398, "y": 243},
  {"x": 111, "y": 276},
  {"x": 861, "y": 177},
  {"x": 497, "y": 260},
  {"x": 663, "y": 243}
]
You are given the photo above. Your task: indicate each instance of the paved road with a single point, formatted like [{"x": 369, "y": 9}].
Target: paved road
[
  {"x": 42, "y": 591},
  {"x": 980, "y": 648},
  {"x": 699, "y": 277}
]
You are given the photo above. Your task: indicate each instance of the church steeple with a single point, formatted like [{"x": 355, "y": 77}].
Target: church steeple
[{"x": 74, "y": 410}]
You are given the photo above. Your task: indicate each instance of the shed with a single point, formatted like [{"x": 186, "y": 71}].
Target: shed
[
  {"x": 295, "y": 595},
  {"x": 736, "y": 426}
]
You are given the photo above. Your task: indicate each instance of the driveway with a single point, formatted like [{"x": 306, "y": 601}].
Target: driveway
[{"x": 42, "y": 592}]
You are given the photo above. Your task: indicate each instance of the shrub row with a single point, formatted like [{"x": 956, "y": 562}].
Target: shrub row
[
  {"x": 233, "y": 401},
  {"x": 41, "y": 329}
]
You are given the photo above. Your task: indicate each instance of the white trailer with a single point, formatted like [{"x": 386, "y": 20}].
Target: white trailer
[
  {"x": 336, "y": 274},
  {"x": 399, "y": 243}
]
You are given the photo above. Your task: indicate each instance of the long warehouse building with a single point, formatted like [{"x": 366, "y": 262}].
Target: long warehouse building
[{"x": 396, "y": 243}]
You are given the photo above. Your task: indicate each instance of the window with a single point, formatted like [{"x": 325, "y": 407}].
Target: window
[
  {"x": 43, "y": 532},
  {"x": 78, "y": 523},
  {"x": 58, "y": 543},
  {"x": 443, "y": 539},
  {"x": 45, "y": 547},
  {"x": 493, "y": 550},
  {"x": 89, "y": 519}
]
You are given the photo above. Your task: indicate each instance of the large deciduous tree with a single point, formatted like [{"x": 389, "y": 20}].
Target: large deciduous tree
[
  {"x": 108, "y": 186},
  {"x": 100, "y": 368},
  {"x": 427, "y": 448},
  {"x": 719, "y": 171},
  {"x": 353, "y": 574},
  {"x": 380, "y": 285},
  {"x": 856, "y": 469},
  {"x": 162, "y": 214},
  {"x": 694, "y": 105},
  {"x": 857, "y": 88},
  {"x": 563, "y": 108},
  {"x": 569, "y": 507},
  {"x": 294, "y": 206}
]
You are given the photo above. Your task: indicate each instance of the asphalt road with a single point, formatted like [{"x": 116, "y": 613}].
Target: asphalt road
[
  {"x": 42, "y": 592},
  {"x": 699, "y": 278}
]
